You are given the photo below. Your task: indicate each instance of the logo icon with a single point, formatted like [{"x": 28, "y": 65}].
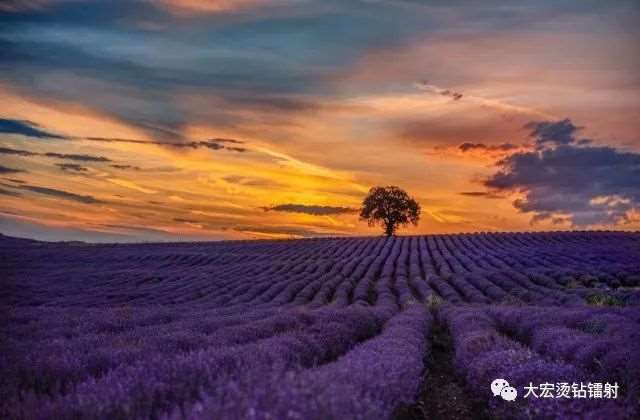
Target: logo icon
[{"x": 500, "y": 387}]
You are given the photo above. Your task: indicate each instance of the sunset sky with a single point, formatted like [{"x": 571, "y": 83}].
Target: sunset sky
[{"x": 147, "y": 120}]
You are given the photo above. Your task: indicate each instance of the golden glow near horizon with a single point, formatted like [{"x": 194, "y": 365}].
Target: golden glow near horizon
[{"x": 234, "y": 135}]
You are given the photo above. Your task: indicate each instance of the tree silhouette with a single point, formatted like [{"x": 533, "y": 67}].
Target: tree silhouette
[{"x": 390, "y": 207}]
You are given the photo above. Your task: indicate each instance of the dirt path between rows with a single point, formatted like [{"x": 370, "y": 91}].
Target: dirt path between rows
[{"x": 443, "y": 395}]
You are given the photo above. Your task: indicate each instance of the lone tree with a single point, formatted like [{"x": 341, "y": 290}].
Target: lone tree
[{"x": 391, "y": 207}]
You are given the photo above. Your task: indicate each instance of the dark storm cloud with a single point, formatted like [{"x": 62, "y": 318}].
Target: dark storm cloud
[
  {"x": 561, "y": 132},
  {"x": 86, "y": 199},
  {"x": 6, "y": 170},
  {"x": 504, "y": 147},
  {"x": 72, "y": 167},
  {"x": 583, "y": 185},
  {"x": 24, "y": 127},
  {"x": 310, "y": 209}
]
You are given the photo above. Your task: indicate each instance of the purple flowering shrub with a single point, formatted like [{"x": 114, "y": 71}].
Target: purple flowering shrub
[
  {"x": 373, "y": 380},
  {"x": 319, "y": 328},
  {"x": 534, "y": 345}
]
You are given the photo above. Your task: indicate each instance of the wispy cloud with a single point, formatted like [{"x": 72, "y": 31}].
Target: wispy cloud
[
  {"x": 183, "y": 220},
  {"x": 427, "y": 87},
  {"x": 9, "y": 151},
  {"x": 17, "y": 181},
  {"x": 81, "y": 158},
  {"x": 482, "y": 194},
  {"x": 212, "y": 144},
  {"x": 126, "y": 167},
  {"x": 72, "y": 167},
  {"x": 5, "y": 170},
  {"x": 25, "y": 128},
  {"x": 504, "y": 147},
  {"x": 9, "y": 193},
  {"x": 313, "y": 210},
  {"x": 279, "y": 231},
  {"x": 131, "y": 185},
  {"x": 66, "y": 156},
  {"x": 295, "y": 104},
  {"x": 252, "y": 181},
  {"x": 86, "y": 199}
]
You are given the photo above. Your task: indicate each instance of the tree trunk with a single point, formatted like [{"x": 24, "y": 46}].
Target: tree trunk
[{"x": 389, "y": 229}]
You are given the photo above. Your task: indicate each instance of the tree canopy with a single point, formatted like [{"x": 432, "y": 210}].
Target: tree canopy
[{"x": 390, "y": 207}]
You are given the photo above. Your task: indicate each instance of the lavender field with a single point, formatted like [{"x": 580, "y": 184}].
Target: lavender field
[{"x": 373, "y": 328}]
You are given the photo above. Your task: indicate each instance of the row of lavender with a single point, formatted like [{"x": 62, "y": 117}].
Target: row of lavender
[
  {"x": 154, "y": 363},
  {"x": 541, "y": 350},
  {"x": 552, "y": 269},
  {"x": 355, "y": 362},
  {"x": 332, "y": 328}
]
